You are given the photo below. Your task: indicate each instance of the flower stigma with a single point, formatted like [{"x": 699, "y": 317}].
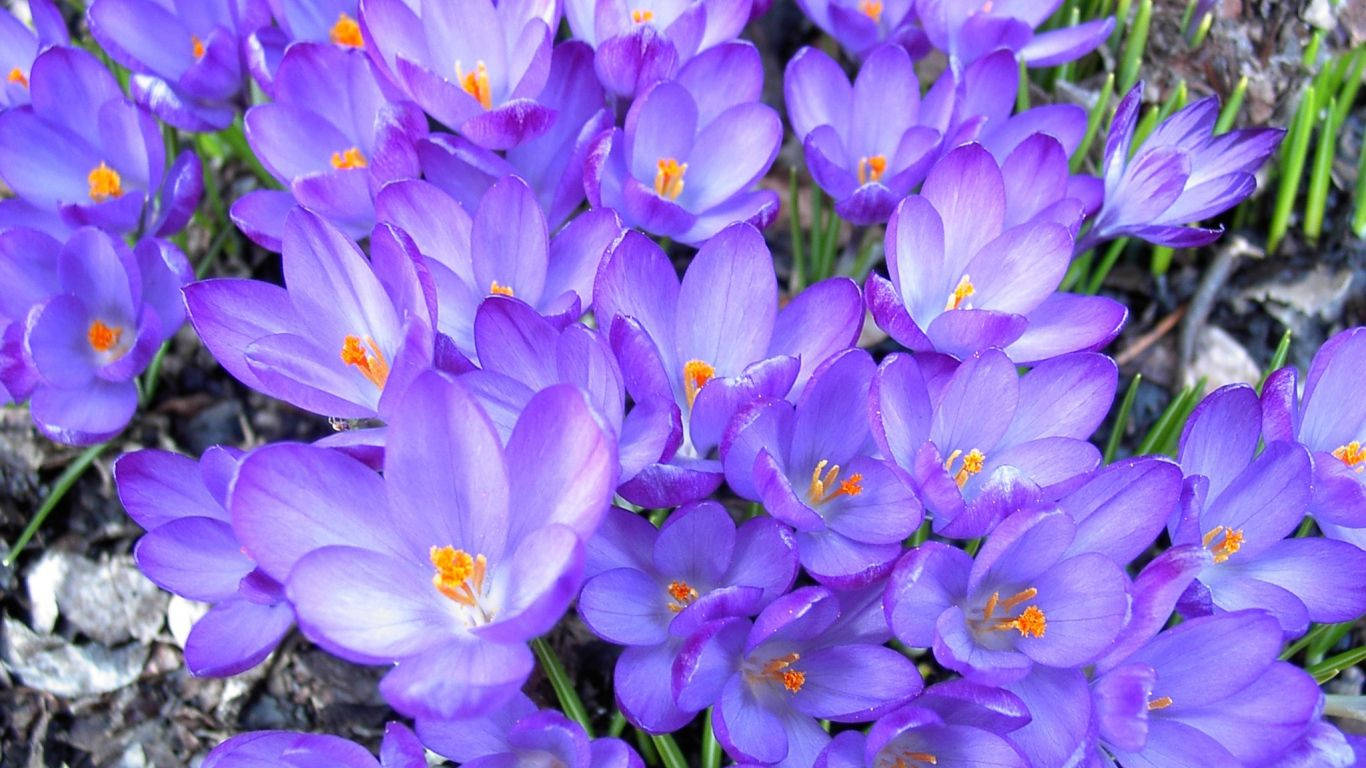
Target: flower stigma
[
  {"x": 871, "y": 168},
  {"x": 16, "y": 75},
  {"x": 972, "y": 464},
  {"x": 476, "y": 83},
  {"x": 1031, "y": 622},
  {"x": 1225, "y": 546},
  {"x": 824, "y": 488},
  {"x": 197, "y": 46},
  {"x": 348, "y": 160},
  {"x": 1161, "y": 702},
  {"x": 102, "y": 337},
  {"x": 695, "y": 375},
  {"x": 683, "y": 595},
  {"x": 961, "y": 292},
  {"x": 368, "y": 359},
  {"x": 346, "y": 32},
  {"x": 498, "y": 288},
  {"x": 780, "y": 670},
  {"x": 105, "y": 183},
  {"x": 1352, "y": 454},
  {"x": 669, "y": 178},
  {"x": 872, "y": 9},
  {"x": 641, "y": 16}
]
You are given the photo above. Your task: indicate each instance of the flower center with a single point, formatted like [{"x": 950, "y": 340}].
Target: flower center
[
  {"x": 641, "y": 16},
  {"x": 824, "y": 487},
  {"x": 669, "y": 178},
  {"x": 346, "y": 32},
  {"x": 348, "y": 160},
  {"x": 367, "y": 358},
  {"x": 695, "y": 375},
  {"x": 476, "y": 83},
  {"x": 197, "y": 46},
  {"x": 871, "y": 168},
  {"x": 102, "y": 337},
  {"x": 16, "y": 75},
  {"x": 911, "y": 759},
  {"x": 498, "y": 288},
  {"x": 1351, "y": 454},
  {"x": 105, "y": 183},
  {"x": 683, "y": 595},
  {"x": 460, "y": 576},
  {"x": 780, "y": 670},
  {"x": 961, "y": 292},
  {"x": 972, "y": 464},
  {"x": 1161, "y": 702},
  {"x": 1030, "y": 622},
  {"x": 1226, "y": 542},
  {"x": 872, "y": 9}
]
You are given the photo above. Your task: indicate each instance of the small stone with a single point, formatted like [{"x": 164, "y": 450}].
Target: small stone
[
  {"x": 49, "y": 663},
  {"x": 111, "y": 601},
  {"x": 1220, "y": 360}
]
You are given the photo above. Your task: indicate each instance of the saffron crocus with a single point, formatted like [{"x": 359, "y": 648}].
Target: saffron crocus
[
  {"x": 982, "y": 441},
  {"x": 341, "y": 334},
  {"x": 478, "y": 68},
  {"x": 20, "y": 45},
  {"x": 1330, "y": 421},
  {"x": 865, "y": 145},
  {"x": 815, "y": 467},
  {"x": 686, "y": 163},
  {"x": 504, "y": 250},
  {"x": 969, "y": 271},
  {"x": 649, "y": 588},
  {"x": 810, "y": 654},
  {"x": 1181, "y": 174},
  {"x": 518, "y": 735},
  {"x": 446, "y": 566},
  {"x": 860, "y": 26},
  {"x": 331, "y": 138},
  {"x": 100, "y": 312},
  {"x": 967, "y": 30},
  {"x": 185, "y": 57},
  {"x": 1240, "y": 507},
  {"x": 400, "y": 749},
  {"x": 190, "y": 549},
  {"x": 81, "y": 154},
  {"x": 713, "y": 343}
]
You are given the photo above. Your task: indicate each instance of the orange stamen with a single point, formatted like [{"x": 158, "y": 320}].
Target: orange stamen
[
  {"x": 683, "y": 595},
  {"x": 695, "y": 375},
  {"x": 669, "y": 178},
  {"x": 1030, "y": 622},
  {"x": 105, "y": 183},
  {"x": 961, "y": 291},
  {"x": 197, "y": 46},
  {"x": 780, "y": 670},
  {"x": 1352, "y": 454},
  {"x": 370, "y": 362},
  {"x": 641, "y": 16},
  {"x": 823, "y": 487},
  {"x": 972, "y": 464},
  {"x": 16, "y": 75},
  {"x": 500, "y": 289},
  {"x": 1226, "y": 546},
  {"x": 476, "y": 83},
  {"x": 348, "y": 160},
  {"x": 871, "y": 168},
  {"x": 346, "y": 32},
  {"x": 920, "y": 758},
  {"x": 103, "y": 338},
  {"x": 872, "y": 9},
  {"x": 1162, "y": 702},
  {"x": 459, "y": 576}
]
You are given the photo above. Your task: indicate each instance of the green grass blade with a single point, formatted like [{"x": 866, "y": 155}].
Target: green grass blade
[
  {"x": 794, "y": 219},
  {"x": 1161, "y": 259},
  {"x": 1126, "y": 408},
  {"x": 1329, "y": 668},
  {"x": 1134, "y": 46},
  {"x": 1022, "y": 88},
  {"x": 1292, "y": 167},
  {"x": 1121, "y": 25},
  {"x": 1232, "y": 107},
  {"x": 1316, "y": 199},
  {"x": 1347, "y": 96},
  {"x": 711, "y": 748},
  {"x": 564, "y": 687},
  {"x": 669, "y": 753},
  {"x": 1359, "y": 215},
  {"x": 1107, "y": 262},
  {"x": 68, "y": 478},
  {"x": 1093, "y": 120},
  {"x": 1311, "y": 51},
  {"x": 1277, "y": 358}
]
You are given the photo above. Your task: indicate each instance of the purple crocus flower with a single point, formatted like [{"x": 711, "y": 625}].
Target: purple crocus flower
[
  {"x": 980, "y": 441},
  {"x": 518, "y": 735},
  {"x": 81, "y": 154},
  {"x": 96, "y": 313},
  {"x": 865, "y": 144},
  {"x": 641, "y": 43},
  {"x": 810, "y": 654},
  {"x": 342, "y": 333},
  {"x": 20, "y": 45},
  {"x": 1330, "y": 421},
  {"x": 331, "y": 138},
  {"x": 312, "y": 21},
  {"x": 1240, "y": 507},
  {"x": 815, "y": 467},
  {"x": 504, "y": 250},
  {"x": 713, "y": 343},
  {"x": 975, "y": 261},
  {"x": 649, "y": 589},
  {"x": 446, "y": 566},
  {"x": 255, "y": 749},
  {"x": 186, "y": 56},
  {"x": 190, "y": 549},
  {"x": 476, "y": 67},
  {"x": 688, "y": 159},
  {"x": 1179, "y": 175},
  {"x": 860, "y": 26},
  {"x": 966, "y": 30}
]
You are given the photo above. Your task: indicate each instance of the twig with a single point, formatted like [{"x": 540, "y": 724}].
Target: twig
[{"x": 1141, "y": 344}]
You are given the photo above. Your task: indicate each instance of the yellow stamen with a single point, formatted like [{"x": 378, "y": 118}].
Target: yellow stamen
[
  {"x": 872, "y": 9},
  {"x": 476, "y": 83},
  {"x": 370, "y": 362},
  {"x": 105, "y": 183},
  {"x": 197, "y": 46},
  {"x": 961, "y": 291},
  {"x": 348, "y": 160},
  {"x": 1162, "y": 702},
  {"x": 669, "y": 178},
  {"x": 871, "y": 168},
  {"x": 640, "y": 16},
  {"x": 914, "y": 758},
  {"x": 1031, "y": 621},
  {"x": 346, "y": 32},
  {"x": 780, "y": 670},
  {"x": 459, "y": 576},
  {"x": 1352, "y": 454},
  {"x": 16, "y": 75},
  {"x": 1226, "y": 546},
  {"x": 500, "y": 289},
  {"x": 695, "y": 375},
  {"x": 972, "y": 464},
  {"x": 683, "y": 595},
  {"x": 103, "y": 338},
  {"x": 823, "y": 487}
]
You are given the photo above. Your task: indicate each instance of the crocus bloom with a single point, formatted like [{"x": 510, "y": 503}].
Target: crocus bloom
[
  {"x": 713, "y": 343},
  {"x": 860, "y": 26},
  {"x": 649, "y": 588},
  {"x": 810, "y": 654},
  {"x": 865, "y": 144},
  {"x": 641, "y": 43},
  {"x": 19, "y": 46},
  {"x": 446, "y": 566},
  {"x": 970, "y": 271},
  {"x": 341, "y": 334},
  {"x": 254, "y": 749},
  {"x": 1179, "y": 175},
  {"x": 81, "y": 154},
  {"x": 504, "y": 250},
  {"x": 518, "y": 735},
  {"x": 1330, "y": 421},
  {"x": 966, "y": 30},
  {"x": 687, "y": 161},
  {"x": 983, "y": 441},
  {"x": 103, "y": 312},
  {"x": 331, "y": 138},
  {"x": 815, "y": 467},
  {"x": 190, "y": 549},
  {"x": 1033, "y": 595},
  {"x": 335, "y": 22},
  {"x": 1240, "y": 507},
  {"x": 477, "y": 68},
  {"x": 185, "y": 56}
]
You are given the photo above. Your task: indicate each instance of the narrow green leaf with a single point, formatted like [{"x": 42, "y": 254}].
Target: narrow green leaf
[
  {"x": 1121, "y": 25},
  {"x": 1126, "y": 408},
  {"x": 1329, "y": 668},
  {"x": 1359, "y": 194},
  {"x": 1022, "y": 88},
  {"x": 1315, "y": 630},
  {"x": 1316, "y": 199},
  {"x": 1324, "y": 643},
  {"x": 1107, "y": 262},
  {"x": 794, "y": 219},
  {"x": 1093, "y": 120},
  {"x": 646, "y": 747},
  {"x": 617, "y": 726},
  {"x": 669, "y": 753},
  {"x": 564, "y": 687},
  {"x": 1134, "y": 46},
  {"x": 1231, "y": 107},
  {"x": 1202, "y": 30},
  {"x": 1292, "y": 167},
  {"x": 1311, "y": 51},
  {"x": 1347, "y": 96},
  {"x": 68, "y": 478},
  {"x": 711, "y": 748},
  {"x": 1277, "y": 359}
]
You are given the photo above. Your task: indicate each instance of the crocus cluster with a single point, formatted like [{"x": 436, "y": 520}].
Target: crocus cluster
[{"x": 526, "y": 281}]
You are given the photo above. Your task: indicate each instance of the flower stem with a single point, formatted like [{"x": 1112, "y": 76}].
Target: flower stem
[
  {"x": 669, "y": 753},
  {"x": 711, "y": 748},
  {"x": 564, "y": 687},
  {"x": 68, "y": 478}
]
